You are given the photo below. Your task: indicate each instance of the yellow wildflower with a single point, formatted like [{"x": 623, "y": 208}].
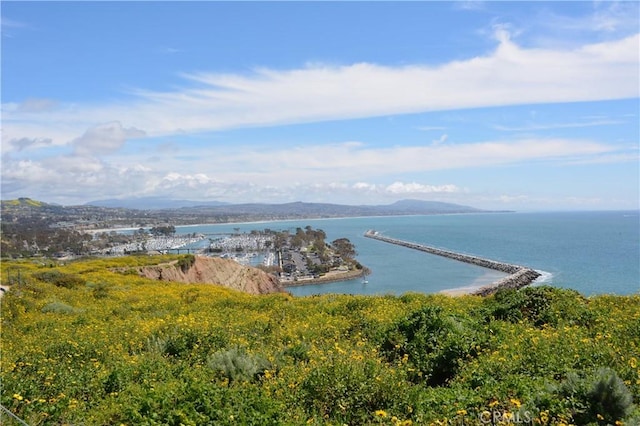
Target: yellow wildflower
[
  {"x": 380, "y": 413},
  {"x": 516, "y": 402}
]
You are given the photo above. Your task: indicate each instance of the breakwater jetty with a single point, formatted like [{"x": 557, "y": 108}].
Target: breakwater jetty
[{"x": 519, "y": 276}]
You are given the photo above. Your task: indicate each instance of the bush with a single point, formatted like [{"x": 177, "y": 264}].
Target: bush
[
  {"x": 608, "y": 397},
  {"x": 351, "y": 392},
  {"x": 237, "y": 366},
  {"x": 541, "y": 305},
  {"x": 60, "y": 308},
  {"x": 597, "y": 398},
  {"x": 186, "y": 262},
  {"x": 175, "y": 343},
  {"x": 299, "y": 352},
  {"x": 190, "y": 296},
  {"x": 434, "y": 342},
  {"x": 100, "y": 290},
  {"x": 59, "y": 279}
]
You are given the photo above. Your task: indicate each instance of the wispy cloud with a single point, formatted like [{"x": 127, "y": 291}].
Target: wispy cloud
[
  {"x": 9, "y": 26},
  {"x": 550, "y": 126},
  {"x": 430, "y": 128},
  {"x": 510, "y": 75},
  {"x": 442, "y": 139},
  {"x": 24, "y": 143},
  {"x": 469, "y": 5},
  {"x": 104, "y": 139},
  {"x": 168, "y": 50},
  {"x": 241, "y": 173}
]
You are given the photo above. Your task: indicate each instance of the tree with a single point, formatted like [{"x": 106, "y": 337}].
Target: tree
[
  {"x": 344, "y": 248},
  {"x": 163, "y": 230}
]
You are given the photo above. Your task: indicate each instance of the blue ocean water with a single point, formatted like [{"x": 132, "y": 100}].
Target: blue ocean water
[{"x": 592, "y": 252}]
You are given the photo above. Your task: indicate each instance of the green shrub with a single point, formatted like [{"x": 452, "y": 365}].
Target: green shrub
[
  {"x": 186, "y": 262},
  {"x": 434, "y": 342},
  {"x": 190, "y": 296},
  {"x": 597, "y": 398},
  {"x": 177, "y": 343},
  {"x": 238, "y": 366},
  {"x": 100, "y": 290},
  {"x": 114, "y": 382},
  {"x": 608, "y": 397},
  {"x": 59, "y": 279},
  {"x": 542, "y": 305},
  {"x": 299, "y": 352},
  {"x": 351, "y": 392},
  {"x": 60, "y": 308}
]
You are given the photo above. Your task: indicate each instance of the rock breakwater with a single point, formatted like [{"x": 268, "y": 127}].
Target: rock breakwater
[{"x": 519, "y": 276}]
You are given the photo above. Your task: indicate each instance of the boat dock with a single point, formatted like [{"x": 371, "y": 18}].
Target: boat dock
[{"x": 519, "y": 276}]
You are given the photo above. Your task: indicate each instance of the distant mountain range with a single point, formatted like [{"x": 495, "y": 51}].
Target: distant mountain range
[
  {"x": 151, "y": 203},
  {"x": 146, "y": 212},
  {"x": 402, "y": 207}
]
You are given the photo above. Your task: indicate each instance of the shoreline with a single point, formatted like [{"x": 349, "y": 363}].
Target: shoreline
[
  {"x": 96, "y": 230},
  {"x": 325, "y": 279}
]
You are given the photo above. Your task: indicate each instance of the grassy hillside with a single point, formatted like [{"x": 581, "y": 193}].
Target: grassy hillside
[{"x": 90, "y": 343}]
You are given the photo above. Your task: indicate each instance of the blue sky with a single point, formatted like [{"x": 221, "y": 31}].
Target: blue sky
[{"x": 498, "y": 105}]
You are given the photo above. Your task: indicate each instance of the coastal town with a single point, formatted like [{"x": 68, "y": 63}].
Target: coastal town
[{"x": 295, "y": 257}]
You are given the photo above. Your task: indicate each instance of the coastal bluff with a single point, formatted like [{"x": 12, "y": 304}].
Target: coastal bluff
[
  {"x": 519, "y": 276},
  {"x": 216, "y": 271}
]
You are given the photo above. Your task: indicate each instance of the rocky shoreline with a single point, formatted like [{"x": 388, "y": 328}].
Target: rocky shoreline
[
  {"x": 325, "y": 279},
  {"x": 519, "y": 276}
]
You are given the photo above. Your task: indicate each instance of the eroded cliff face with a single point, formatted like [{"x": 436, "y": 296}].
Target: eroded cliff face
[{"x": 213, "y": 270}]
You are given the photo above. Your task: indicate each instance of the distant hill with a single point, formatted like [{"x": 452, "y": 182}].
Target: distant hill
[
  {"x": 300, "y": 209},
  {"x": 420, "y": 206},
  {"x": 22, "y": 202},
  {"x": 402, "y": 207},
  {"x": 151, "y": 203}
]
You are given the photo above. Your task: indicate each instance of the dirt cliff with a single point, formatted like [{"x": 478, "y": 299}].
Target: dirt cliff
[{"x": 213, "y": 270}]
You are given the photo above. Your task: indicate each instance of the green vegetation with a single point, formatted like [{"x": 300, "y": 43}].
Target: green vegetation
[
  {"x": 89, "y": 343},
  {"x": 186, "y": 262}
]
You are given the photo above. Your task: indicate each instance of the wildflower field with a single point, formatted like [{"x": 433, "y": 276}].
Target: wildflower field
[{"x": 92, "y": 343}]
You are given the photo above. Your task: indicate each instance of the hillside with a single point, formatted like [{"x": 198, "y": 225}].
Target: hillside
[
  {"x": 207, "y": 270},
  {"x": 92, "y": 342}
]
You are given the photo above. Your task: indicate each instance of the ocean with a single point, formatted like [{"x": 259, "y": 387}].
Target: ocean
[{"x": 592, "y": 252}]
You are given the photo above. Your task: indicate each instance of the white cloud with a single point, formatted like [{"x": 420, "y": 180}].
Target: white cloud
[
  {"x": 350, "y": 169},
  {"x": 442, "y": 139},
  {"x": 36, "y": 105},
  {"x": 430, "y": 128},
  {"x": 550, "y": 126},
  {"x": 418, "y": 188},
  {"x": 510, "y": 75},
  {"x": 6, "y": 25},
  {"x": 104, "y": 139},
  {"x": 352, "y": 161},
  {"x": 25, "y": 143}
]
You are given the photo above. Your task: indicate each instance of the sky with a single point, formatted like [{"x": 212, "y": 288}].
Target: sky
[{"x": 497, "y": 105}]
